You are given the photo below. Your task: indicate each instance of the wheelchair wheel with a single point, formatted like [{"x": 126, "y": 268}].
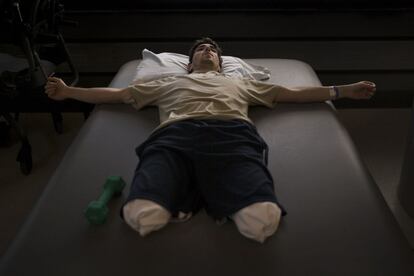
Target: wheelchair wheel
[{"x": 25, "y": 158}]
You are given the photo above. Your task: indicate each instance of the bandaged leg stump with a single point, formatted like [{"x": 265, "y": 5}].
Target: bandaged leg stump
[
  {"x": 145, "y": 216},
  {"x": 258, "y": 221}
]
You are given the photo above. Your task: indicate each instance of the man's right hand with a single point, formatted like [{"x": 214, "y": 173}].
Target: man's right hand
[{"x": 56, "y": 89}]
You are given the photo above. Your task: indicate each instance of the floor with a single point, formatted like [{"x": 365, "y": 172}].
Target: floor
[
  {"x": 380, "y": 136},
  {"x": 18, "y": 193}
]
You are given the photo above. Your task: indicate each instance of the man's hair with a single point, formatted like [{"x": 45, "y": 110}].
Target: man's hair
[{"x": 205, "y": 40}]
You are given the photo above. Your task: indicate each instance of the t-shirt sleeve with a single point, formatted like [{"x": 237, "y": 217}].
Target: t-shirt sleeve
[
  {"x": 148, "y": 93},
  {"x": 260, "y": 93}
]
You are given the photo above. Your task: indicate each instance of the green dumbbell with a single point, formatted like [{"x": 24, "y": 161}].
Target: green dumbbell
[{"x": 97, "y": 210}]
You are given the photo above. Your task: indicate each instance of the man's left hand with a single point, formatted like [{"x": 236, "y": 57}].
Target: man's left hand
[{"x": 358, "y": 91}]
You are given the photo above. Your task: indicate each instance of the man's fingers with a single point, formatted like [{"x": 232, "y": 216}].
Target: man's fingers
[
  {"x": 53, "y": 80},
  {"x": 372, "y": 87},
  {"x": 366, "y": 89},
  {"x": 49, "y": 88},
  {"x": 369, "y": 85},
  {"x": 51, "y": 85},
  {"x": 369, "y": 82},
  {"x": 369, "y": 94}
]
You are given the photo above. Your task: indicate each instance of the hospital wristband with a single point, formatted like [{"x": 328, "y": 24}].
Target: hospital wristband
[{"x": 334, "y": 92}]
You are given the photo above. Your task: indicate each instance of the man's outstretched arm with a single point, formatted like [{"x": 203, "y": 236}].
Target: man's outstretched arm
[
  {"x": 359, "y": 90},
  {"x": 56, "y": 89}
]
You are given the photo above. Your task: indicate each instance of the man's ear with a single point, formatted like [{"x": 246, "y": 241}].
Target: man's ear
[{"x": 189, "y": 67}]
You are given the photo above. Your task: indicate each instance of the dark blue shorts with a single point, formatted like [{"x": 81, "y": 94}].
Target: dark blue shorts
[{"x": 219, "y": 165}]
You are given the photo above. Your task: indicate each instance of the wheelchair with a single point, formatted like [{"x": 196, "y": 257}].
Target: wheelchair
[{"x": 34, "y": 27}]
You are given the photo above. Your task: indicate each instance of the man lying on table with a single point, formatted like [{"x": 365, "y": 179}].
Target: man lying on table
[{"x": 206, "y": 152}]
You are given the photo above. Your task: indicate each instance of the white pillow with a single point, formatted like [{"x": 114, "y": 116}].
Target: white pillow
[{"x": 154, "y": 66}]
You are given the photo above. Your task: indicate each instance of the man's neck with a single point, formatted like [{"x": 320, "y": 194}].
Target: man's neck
[
  {"x": 203, "y": 71},
  {"x": 204, "y": 68}
]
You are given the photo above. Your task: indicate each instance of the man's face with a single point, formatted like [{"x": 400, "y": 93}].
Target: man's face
[{"x": 205, "y": 57}]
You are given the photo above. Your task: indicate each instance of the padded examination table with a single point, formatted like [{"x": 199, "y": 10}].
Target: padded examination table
[{"x": 337, "y": 224}]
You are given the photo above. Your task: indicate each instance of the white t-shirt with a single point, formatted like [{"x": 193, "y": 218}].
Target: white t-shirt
[{"x": 208, "y": 95}]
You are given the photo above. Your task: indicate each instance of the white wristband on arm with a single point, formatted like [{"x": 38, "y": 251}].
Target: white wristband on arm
[{"x": 334, "y": 92}]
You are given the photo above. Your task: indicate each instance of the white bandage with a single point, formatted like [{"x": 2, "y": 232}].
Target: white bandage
[
  {"x": 145, "y": 216},
  {"x": 258, "y": 221}
]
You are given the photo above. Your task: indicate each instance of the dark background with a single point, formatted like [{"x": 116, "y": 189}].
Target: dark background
[{"x": 344, "y": 41}]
